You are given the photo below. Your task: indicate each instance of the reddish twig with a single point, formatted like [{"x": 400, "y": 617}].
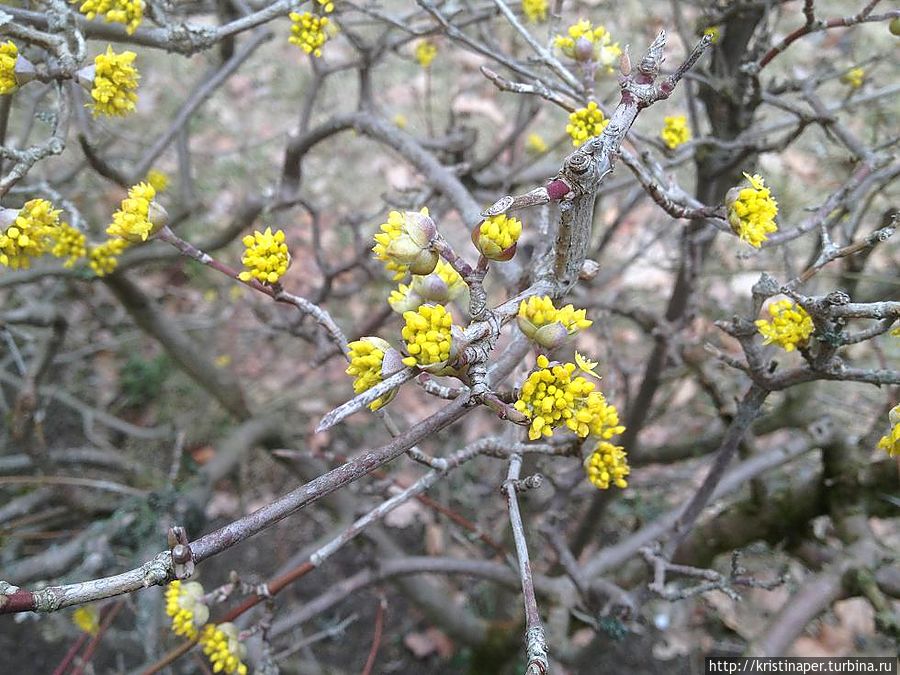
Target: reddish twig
[{"x": 376, "y": 638}]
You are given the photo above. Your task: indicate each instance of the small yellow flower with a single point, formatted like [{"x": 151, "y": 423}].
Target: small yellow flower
[
  {"x": 128, "y": 12},
  {"x": 854, "y": 78},
  {"x": 535, "y": 10},
  {"x": 309, "y": 32},
  {"x": 535, "y": 144},
  {"x": 265, "y": 256},
  {"x": 69, "y": 243},
  {"x": 425, "y": 53},
  {"x": 114, "y": 90},
  {"x": 789, "y": 328},
  {"x": 87, "y": 618},
  {"x": 30, "y": 235},
  {"x": 584, "y": 42},
  {"x": 105, "y": 258},
  {"x": 890, "y": 442},
  {"x": 404, "y": 243},
  {"x": 586, "y": 123},
  {"x": 675, "y": 131},
  {"x": 714, "y": 32},
  {"x": 548, "y": 326},
  {"x": 327, "y": 6},
  {"x": 428, "y": 336},
  {"x": 607, "y": 465},
  {"x": 400, "y": 121},
  {"x": 367, "y": 367},
  {"x": 9, "y": 55},
  {"x": 184, "y": 604},
  {"x": 222, "y": 646},
  {"x": 551, "y": 397},
  {"x": 752, "y": 211},
  {"x": 586, "y": 366},
  {"x": 223, "y": 360},
  {"x": 138, "y": 217},
  {"x": 158, "y": 179},
  {"x": 496, "y": 237}
]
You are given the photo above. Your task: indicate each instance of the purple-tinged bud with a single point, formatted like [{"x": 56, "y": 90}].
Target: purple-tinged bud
[
  {"x": 557, "y": 189},
  {"x": 584, "y": 49}
]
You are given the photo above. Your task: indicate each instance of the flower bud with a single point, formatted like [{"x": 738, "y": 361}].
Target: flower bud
[
  {"x": 583, "y": 50},
  {"x": 496, "y": 237},
  {"x": 551, "y": 336}
]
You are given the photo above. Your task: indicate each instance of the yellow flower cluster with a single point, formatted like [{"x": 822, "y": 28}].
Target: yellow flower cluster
[
  {"x": 890, "y": 442},
  {"x": 548, "y": 326},
  {"x": 265, "y": 256},
  {"x": 607, "y": 465},
  {"x": 497, "y": 236},
  {"x": 184, "y": 604},
  {"x": 138, "y": 217},
  {"x": 404, "y": 243},
  {"x": 443, "y": 285},
  {"x": 104, "y": 259},
  {"x": 128, "y": 12},
  {"x": 789, "y": 328},
  {"x": 752, "y": 211},
  {"x": 30, "y": 235},
  {"x": 309, "y": 32},
  {"x": 222, "y": 646},
  {"x": 114, "y": 91},
  {"x": 9, "y": 54},
  {"x": 586, "y": 123},
  {"x": 584, "y": 42},
  {"x": 675, "y": 131},
  {"x": 159, "y": 180},
  {"x": 87, "y": 618},
  {"x": 551, "y": 397},
  {"x": 535, "y": 144},
  {"x": 70, "y": 244},
  {"x": 427, "y": 335},
  {"x": 854, "y": 78},
  {"x": 425, "y": 52},
  {"x": 366, "y": 362},
  {"x": 535, "y": 10}
]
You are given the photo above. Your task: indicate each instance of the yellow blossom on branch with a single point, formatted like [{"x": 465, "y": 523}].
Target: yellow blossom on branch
[
  {"x": 309, "y": 32},
  {"x": 9, "y": 55},
  {"x": 29, "y": 235},
  {"x": 586, "y": 366},
  {"x": 790, "y": 326},
  {"x": 128, "y": 12},
  {"x": 675, "y": 131},
  {"x": 586, "y": 123},
  {"x": 427, "y": 334},
  {"x": 404, "y": 243},
  {"x": 714, "y": 33},
  {"x": 266, "y": 257},
  {"x": 584, "y": 42},
  {"x": 158, "y": 179},
  {"x": 185, "y": 606},
  {"x": 138, "y": 217},
  {"x": 752, "y": 211},
  {"x": 535, "y": 10},
  {"x": 890, "y": 442},
  {"x": 546, "y": 325},
  {"x": 535, "y": 144},
  {"x": 104, "y": 259},
  {"x": 223, "y": 648},
  {"x": 496, "y": 237},
  {"x": 551, "y": 397},
  {"x": 69, "y": 243},
  {"x": 854, "y": 78},
  {"x": 607, "y": 465},
  {"x": 425, "y": 52},
  {"x": 87, "y": 618},
  {"x": 114, "y": 90},
  {"x": 367, "y": 367}
]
